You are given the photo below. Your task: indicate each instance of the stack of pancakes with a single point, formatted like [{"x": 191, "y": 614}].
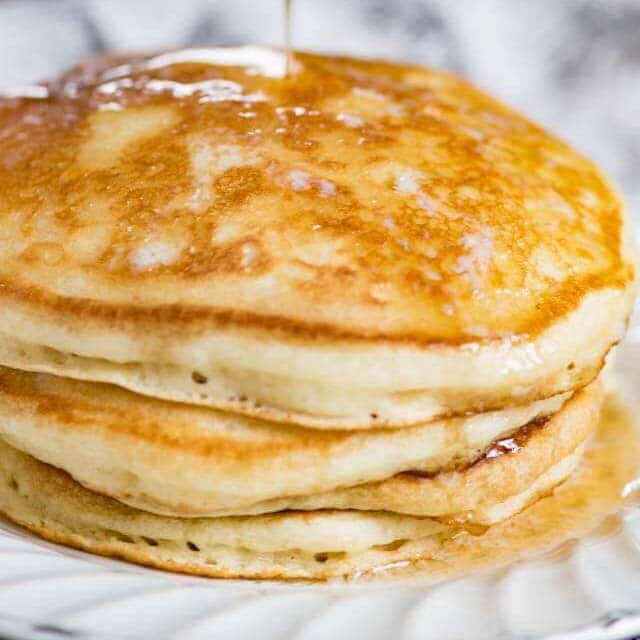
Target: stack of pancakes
[{"x": 297, "y": 326}]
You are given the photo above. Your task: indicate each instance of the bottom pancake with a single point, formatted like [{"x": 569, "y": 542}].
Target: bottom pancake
[{"x": 288, "y": 545}]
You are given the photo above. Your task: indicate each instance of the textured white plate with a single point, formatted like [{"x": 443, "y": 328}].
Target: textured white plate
[{"x": 49, "y": 592}]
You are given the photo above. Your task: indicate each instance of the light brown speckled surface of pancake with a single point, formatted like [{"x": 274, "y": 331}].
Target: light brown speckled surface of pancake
[{"x": 358, "y": 243}]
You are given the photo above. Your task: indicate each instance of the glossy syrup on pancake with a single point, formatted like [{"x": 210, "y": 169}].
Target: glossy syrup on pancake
[
  {"x": 305, "y": 192},
  {"x": 349, "y": 244},
  {"x": 500, "y": 447}
]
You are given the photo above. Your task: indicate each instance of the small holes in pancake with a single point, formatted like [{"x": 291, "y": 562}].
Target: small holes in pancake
[
  {"x": 13, "y": 484},
  {"x": 329, "y": 555},
  {"x": 571, "y": 366},
  {"x": 193, "y": 546},
  {"x": 125, "y": 538},
  {"x": 242, "y": 398},
  {"x": 150, "y": 541},
  {"x": 121, "y": 537},
  {"x": 373, "y": 416},
  {"x": 199, "y": 378}
]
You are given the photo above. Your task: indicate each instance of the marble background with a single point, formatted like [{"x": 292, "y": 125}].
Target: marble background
[{"x": 573, "y": 65}]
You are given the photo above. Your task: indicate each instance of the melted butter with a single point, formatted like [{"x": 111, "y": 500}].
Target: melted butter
[
  {"x": 585, "y": 505},
  {"x": 440, "y": 205}
]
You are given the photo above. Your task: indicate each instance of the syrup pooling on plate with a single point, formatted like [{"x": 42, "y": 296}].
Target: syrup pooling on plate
[
  {"x": 587, "y": 505},
  {"x": 215, "y": 165}
]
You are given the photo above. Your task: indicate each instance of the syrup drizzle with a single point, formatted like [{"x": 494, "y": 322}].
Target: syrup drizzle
[{"x": 287, "y": 37}]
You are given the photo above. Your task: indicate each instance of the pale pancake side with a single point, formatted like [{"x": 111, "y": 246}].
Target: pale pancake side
[
  {"x": 187, "y": 461},
  {"x": 358, "y": 226},
  {"x": 131, "y": 445},
  {"x": 502, "y": 476},
  {"x": 288, "y": 399}
]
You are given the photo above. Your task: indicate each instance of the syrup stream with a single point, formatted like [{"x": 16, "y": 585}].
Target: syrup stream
[{"x": 287, "y": 35}]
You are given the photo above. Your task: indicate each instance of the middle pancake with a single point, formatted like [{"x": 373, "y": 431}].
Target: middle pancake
[{"x": 173, "y": 459}]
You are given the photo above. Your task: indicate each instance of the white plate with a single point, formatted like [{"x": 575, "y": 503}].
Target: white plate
[{"x": 53, "y": 593}]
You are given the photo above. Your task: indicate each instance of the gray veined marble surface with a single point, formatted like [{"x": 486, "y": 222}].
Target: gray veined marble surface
[{"x": 573, "y": 65}]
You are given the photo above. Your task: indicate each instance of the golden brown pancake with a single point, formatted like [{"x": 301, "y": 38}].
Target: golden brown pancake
[
  {"x": 187, "y": 461},
  {"x": 359, "y": 243}
]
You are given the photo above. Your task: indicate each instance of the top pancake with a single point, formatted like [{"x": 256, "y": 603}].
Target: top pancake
[{"x": 356, "y": 243}]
